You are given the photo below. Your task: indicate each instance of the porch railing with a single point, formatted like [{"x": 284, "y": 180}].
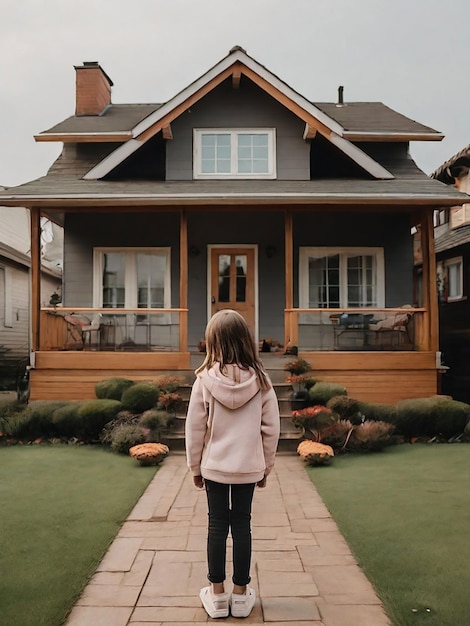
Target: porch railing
[
  {"x": 128, "y": 330},
  {"x": 361, "y": 329}
]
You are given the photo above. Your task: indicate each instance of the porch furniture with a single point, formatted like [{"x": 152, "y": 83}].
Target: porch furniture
[
  {"x": 351, "y": 330},
  {"x": 81, "y": 331},
  {"x": 394, "y": 332}
]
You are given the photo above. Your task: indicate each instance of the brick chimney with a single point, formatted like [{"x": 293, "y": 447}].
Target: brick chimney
[{"x": 93, "y": 89}]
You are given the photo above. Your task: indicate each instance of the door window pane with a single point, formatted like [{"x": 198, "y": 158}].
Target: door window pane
[
  {"x": 224, "y": 278},
  {"x": 241, "y": 264}
]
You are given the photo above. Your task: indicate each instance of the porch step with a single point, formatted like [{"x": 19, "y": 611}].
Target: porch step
[{"x": 290, "y": 436}]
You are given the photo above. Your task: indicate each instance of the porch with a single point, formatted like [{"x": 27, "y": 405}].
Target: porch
[{"x": 377, "y": 363}]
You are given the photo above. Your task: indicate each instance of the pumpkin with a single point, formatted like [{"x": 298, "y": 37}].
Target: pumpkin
[
  {"x": 314, "y": 453},
  {"x": 149, "y": 453}
]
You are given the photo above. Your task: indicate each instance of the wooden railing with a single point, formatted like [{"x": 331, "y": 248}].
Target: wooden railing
[
  {"x": 362, "y": 329},
  {"x": 105, "y": 329}
]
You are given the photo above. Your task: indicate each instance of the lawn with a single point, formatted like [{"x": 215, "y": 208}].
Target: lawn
[
  {"x": 61, "y": 506},
  {"x": 405, "y": 513}
]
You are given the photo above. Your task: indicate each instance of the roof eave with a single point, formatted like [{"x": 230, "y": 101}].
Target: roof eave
[
  {"x": 391, "y": 136},
  {"x": 108, "y": 137},
  {"x": 210, "y": 199}
]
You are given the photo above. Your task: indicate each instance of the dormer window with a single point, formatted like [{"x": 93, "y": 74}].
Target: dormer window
[{"x": 240, "y": 153}]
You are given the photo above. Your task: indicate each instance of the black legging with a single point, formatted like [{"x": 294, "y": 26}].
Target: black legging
[{"x": 222, "y": 516}]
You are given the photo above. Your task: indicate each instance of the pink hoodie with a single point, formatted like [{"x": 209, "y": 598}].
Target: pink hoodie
[{"x": 232, "y": 426}]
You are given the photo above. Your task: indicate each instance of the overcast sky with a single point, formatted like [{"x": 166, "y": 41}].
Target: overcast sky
[{"x": 411, "y": 55}]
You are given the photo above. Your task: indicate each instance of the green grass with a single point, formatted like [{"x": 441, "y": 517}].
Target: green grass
[
  {"x": 406, "y": 516},
  {"x": 61, "y": 506}
]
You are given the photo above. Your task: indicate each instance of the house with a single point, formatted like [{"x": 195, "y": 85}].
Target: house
[
  {"x": 238, "y": 192},
  {"x": 15, "y": 263},
  {"x": 452, "y": 245}
]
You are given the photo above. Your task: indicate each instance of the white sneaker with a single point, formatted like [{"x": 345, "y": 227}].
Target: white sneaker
[
  {"x": 216, "y": 604},
  {"x": 242, "y": 604}
]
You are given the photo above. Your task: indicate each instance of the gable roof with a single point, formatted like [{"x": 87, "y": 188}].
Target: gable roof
[
  {"x": 116, "y": 120},
  {"x": 451, "y": 169},
  {"x": 373, "y": 121},
  {"x": 235, "y": 64}
]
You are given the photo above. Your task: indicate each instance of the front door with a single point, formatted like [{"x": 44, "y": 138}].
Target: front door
[{"x": 233, "y": 281}]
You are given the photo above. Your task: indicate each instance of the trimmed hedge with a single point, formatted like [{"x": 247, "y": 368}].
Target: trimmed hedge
[
  {"x": 112, "y": 388},
  {"x": 140, "y": 397},
  {"x": 322, "y": 392}
]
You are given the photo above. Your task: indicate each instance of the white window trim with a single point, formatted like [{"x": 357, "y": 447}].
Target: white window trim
[
  {"x": 306, "y": 252},
  {"x": 7, "y": 296},
  {"x": 234, "y": 132},
  {"x": 447, "y": 264},
  {"x": 130, "y": 274}
]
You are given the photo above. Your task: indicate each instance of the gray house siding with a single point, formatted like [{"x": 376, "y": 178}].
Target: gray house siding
[
  {"x": 85, "y": 232},
  {"x": 391, "y": 232},
  {"x": 240, "y": 227},
  {"x": 248, "y": 107}
]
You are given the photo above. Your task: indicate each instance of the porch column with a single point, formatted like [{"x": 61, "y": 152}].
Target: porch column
[
  {"x": 183, "y": 281},
  {"x": 290, "y": 324},
  {"x": 35, "y": 217},
  {"x": 430, "y": 299}
]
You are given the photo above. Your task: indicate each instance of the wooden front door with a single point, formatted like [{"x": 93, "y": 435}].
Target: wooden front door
[{"x": 233, "y": 281}]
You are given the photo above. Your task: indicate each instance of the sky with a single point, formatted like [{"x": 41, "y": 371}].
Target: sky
[{"x": 410, "y": 55}]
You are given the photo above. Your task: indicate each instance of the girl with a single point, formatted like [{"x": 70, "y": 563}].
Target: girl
[{"x": 232, "y": 432}]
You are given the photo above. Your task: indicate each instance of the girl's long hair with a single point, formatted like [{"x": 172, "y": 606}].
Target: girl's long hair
[{"x": 229, "y": 340}]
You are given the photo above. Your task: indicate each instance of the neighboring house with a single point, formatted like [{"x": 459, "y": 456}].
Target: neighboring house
[
  {"x": 15, "y": 262},
  {"x": 452, "y": 244},
  {"x": 241, "y": 193}
]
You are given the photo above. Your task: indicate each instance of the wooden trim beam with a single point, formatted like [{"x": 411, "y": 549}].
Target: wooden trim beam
[
  {"x": 184, "y": 106},
  {"x": 167, "y": 132},
  {"x": 35, "y": 216},
  {"x": 85, "y": 137},
  {"x": 183, "y": 295},
  {"x": 309, "y": 132},
  {"x": 430, "y": 295},
  {"x": 236, "y": 77}
]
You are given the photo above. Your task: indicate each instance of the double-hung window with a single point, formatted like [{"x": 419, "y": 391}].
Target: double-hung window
[
  {"x": 341, "y": 278},
  {"x": 132, "y": 278},
  {"x": 450, "y": 279},
  {"x": 234, "y": 153}
]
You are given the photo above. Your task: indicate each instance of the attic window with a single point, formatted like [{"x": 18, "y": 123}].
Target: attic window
[{"x": 240, "y": 153}]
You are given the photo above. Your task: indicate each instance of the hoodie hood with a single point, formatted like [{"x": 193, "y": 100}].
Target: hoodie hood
[{"x": 234, "y": 388}]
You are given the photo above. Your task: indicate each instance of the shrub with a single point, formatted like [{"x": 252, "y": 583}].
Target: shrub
[
  {"x": 140, "y": 397},
  {"x": 123, "y": 417},
  {"x": 94, "y": 414},
  {"x": 169, "y": 384},
  {"x": 298, "y": 366},
  {"x": 466, "y": 432},
  {"x": 317, "y": 419},
  {"x": 378, "y": 412},
  {"x": 371, "y": 436},
  {"x": 35, "y": 421},
  {"x": 338, "y": 434},
  {"x": 67, "y": 422},
  {"x": 112, "y": 388},
  {"x": 155, "y": 421},
  {"x": 451, "y": 418},
  {"x": 170, "y": 402},
  {"x": 346, "y": 408},
  {"x": 322, "y": 392},
  {"x": 125, "y": 436}
]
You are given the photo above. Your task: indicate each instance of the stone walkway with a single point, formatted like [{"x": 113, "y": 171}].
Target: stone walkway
[{"x": 302, "y": 569}]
